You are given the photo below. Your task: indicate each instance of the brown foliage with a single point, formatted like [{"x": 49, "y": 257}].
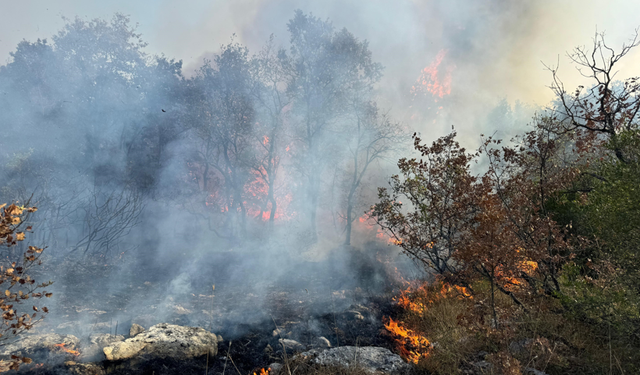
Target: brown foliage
[
  {"x": 495, "y": 227},
  {"x": 18, "y": 285},
  {"x": 440, "y": 191}
]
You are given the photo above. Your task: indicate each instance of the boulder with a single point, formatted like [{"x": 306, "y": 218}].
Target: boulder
[
  {"x": 165, "y": 341},
  {"x": 93, "y": 350},
  {"x": 135, "y": 330},
  {"x": 373, "y": 360}
]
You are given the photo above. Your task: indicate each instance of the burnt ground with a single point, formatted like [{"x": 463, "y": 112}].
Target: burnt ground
[{"x": 308, "y": 301}]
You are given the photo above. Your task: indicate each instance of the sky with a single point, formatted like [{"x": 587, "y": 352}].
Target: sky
[{"x": 489, "y": 50}]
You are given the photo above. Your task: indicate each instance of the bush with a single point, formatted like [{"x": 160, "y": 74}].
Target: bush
[{"x": 18, "y": 315}]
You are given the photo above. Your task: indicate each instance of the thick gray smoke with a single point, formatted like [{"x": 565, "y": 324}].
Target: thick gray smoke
[{"x": 253, "y": 174}]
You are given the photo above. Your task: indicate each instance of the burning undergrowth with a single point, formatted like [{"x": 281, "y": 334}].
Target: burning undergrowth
[
  {"x": 264, "y": 314},
  {"x": 420, "y": 307}
]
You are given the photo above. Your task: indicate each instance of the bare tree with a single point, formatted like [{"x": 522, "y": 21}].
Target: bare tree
[
  {"x": 373, "y": 137},
  {"x": 607, "y": 107},
  {"x": 106, "y": 218}
]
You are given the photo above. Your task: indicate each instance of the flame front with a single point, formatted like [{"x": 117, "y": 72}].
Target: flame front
[
  {"x": 412, "y": 345},
  {"x": 415, "y": 300}
]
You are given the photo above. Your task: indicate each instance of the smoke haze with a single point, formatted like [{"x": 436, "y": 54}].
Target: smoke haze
[{"x": 475, "y": 65}]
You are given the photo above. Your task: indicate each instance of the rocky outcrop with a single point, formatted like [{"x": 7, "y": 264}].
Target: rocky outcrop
[
  {"x": 373, "y": 360},
  {"x": 123, "y": 350},
  {"x": 165, "y": 341}
]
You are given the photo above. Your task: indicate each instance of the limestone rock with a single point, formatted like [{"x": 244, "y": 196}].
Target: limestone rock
[
  {"x": 165, "y": 341},
  {"x": 50, "y": 342},
  {"x": 373, "y": 360},
  {"x": 123, "y": 350}
]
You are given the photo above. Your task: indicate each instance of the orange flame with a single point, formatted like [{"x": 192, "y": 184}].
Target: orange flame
[
  {"x": 416, "y": 299},
  {"x": 512, "y": 281},
  {"x": 434, "y": 81},
  {"x": 412, "y": 346},
  {"x": 263, "y": 372},
  {"x": 64, "y": 349}
]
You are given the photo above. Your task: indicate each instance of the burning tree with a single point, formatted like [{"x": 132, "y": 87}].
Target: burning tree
[
  {"x": 19, "y": 285},
  {"x": 496, "y": 227},
  {"x": 271, "y": 70},
  {"x": 224, "y": 115}
]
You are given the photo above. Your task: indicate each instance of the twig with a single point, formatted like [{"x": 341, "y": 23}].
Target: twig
[
  {"x": 226, "y": 358},
  {"x": 234, "y": 365},
  {"x": 335, "y": 322},
  {"x": 284, "y": 349},
  {"x": 206, "y": 371}
]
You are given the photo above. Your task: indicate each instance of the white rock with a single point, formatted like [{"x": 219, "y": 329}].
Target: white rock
[{"x": 166, "y": 340}]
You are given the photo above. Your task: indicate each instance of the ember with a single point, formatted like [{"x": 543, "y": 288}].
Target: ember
[{"x": 67, "y": 350}]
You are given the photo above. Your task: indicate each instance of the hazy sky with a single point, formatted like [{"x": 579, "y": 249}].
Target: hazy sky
[{"x": 493, "y": 48}]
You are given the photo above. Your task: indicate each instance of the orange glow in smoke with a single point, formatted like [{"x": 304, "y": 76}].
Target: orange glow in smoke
[
  {"x": 366, "y": 225},
  {"x": 257, "y": 192},
  {"x": 434, "y": 79}
]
